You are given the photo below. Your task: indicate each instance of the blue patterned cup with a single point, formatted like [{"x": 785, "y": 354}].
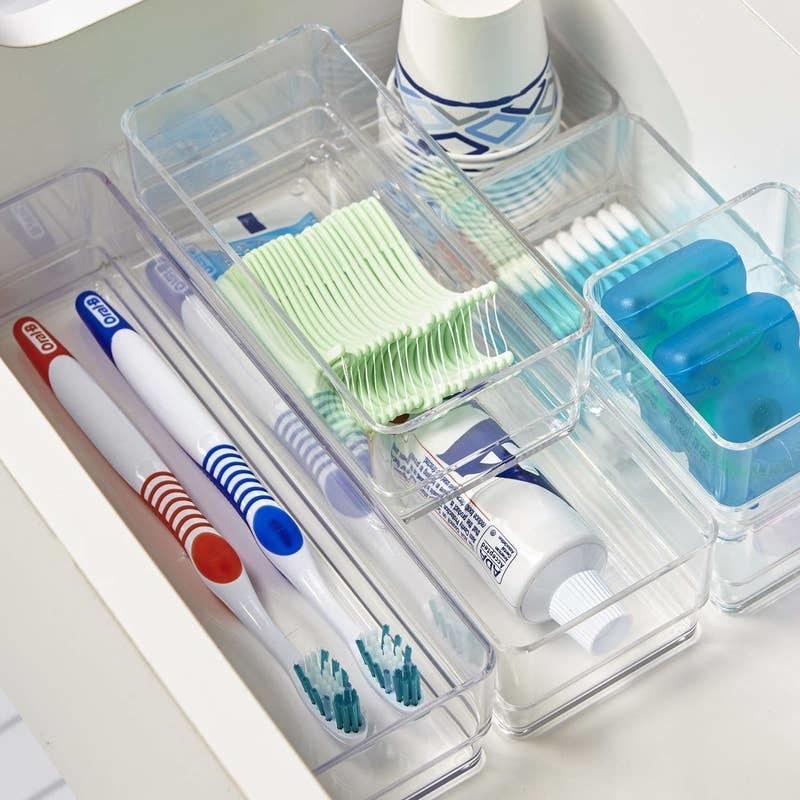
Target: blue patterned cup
[{"x": 477, "y": 75}]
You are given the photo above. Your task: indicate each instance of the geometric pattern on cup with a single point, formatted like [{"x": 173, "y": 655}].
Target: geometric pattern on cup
[{"x": 479, "y": 128}]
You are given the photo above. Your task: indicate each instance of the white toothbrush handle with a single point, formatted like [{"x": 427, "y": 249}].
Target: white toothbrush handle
[
  {"x": 130, "y": 454},
  {"x": 204, "y": 328},
  {"x": 181, "y": 413}
]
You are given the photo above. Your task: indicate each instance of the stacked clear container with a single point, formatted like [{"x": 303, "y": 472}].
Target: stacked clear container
[
  {"x": 294, "y": 127},
  {"x": 77, "y": 232},
  {"x": 299, "y": 125},
  {"x": 751, "y": 489}
]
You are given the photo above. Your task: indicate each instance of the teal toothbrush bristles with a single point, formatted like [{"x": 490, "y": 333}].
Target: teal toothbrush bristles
[
  {"x": 328, "y": 688},
  {"x": 391, "y": 665}
]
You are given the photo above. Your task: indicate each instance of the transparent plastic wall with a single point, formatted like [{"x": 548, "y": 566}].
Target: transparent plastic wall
[
  {"x": 565, "y": 198},
  {"x": 76, "y": 233},
  {"x": 656, "y": 553},
  {"x": 750, "y": 486},
  {"x": 289, "y": 130}
]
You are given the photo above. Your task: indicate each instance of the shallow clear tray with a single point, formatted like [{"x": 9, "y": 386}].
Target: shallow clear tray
[
  {"x": 76, "y": 232},
  {"x": 299, "y": 125}
]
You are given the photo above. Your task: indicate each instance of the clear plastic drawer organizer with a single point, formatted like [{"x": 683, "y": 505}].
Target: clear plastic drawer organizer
[
  {"x": 294, "y": 132},
  {"x": 750, "y": 488},
  {"x": 291, "y": 132},
  {"x": 77, "y": 232}
]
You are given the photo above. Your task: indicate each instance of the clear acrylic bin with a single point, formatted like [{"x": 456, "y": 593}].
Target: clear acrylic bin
[
  {"x": 750, "y": 488},
  {"x": 298, "y": 126},
  {"x": 76, "y": 232},
  {"x": 617, "y": 159},
  {"x": 658, "y": 542}
]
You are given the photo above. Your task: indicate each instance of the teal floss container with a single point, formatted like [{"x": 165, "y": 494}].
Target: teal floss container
[
  {"x": 662, "y": 299},
  {"x": 739, "y": 367}
]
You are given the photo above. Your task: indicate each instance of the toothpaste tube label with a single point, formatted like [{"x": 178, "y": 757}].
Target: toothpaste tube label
[
  {"x": 461, "y": 515},
  {"x": 496, "y": 552}
]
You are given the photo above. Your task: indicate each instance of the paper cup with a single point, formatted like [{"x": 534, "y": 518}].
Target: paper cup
[{"x": 476, "y": 74}]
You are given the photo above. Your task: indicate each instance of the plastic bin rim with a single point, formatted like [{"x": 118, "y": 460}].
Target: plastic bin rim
[
  {"x": 589, "y": 292},
  {"x": 581, "y": 332}
]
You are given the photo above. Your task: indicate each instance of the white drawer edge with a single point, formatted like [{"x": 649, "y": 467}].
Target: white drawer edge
[{"x": 236, "y": 729}]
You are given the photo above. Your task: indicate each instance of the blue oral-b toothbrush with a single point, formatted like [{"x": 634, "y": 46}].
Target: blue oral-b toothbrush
[{"x": 383, "y": 658}]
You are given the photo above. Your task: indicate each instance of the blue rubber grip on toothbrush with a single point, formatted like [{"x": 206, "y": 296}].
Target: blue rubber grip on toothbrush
[
  {"x": 274, "y": 528},
  {"x": 339, "y": 490}
]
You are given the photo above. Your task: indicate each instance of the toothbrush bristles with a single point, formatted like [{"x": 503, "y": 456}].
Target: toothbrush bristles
[
  {"x": 328, "y": 688},
  {"x": 391, "y": 665}
]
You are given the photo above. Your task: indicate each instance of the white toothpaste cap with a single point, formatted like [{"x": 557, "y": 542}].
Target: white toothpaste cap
[{"x": 600, "y": 633}]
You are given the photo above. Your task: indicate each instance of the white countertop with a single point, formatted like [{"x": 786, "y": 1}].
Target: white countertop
[{"x": 720, "y": 720}]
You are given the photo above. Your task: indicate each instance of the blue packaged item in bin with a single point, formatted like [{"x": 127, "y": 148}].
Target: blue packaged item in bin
[
  {"x": 667, "y": 295},
  {"x": 662, "y": 299},
  {"x": 739, "y": 366}
]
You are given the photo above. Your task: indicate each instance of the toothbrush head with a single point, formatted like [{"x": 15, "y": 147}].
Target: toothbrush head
[
  {"x": 326, "y": 687},
  {"x": 390, "y": 666}
]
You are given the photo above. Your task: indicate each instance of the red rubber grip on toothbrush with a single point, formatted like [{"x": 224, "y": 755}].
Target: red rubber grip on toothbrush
[
  {"x": 38, "y": 344},
  {"x": 212, "y": 556}
]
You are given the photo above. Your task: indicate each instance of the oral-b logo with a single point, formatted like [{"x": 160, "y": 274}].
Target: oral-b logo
[
  {"x": 170, "y": 277},
  {"x": 38, "y": 337},
  {"x": 28, "y": 220},
  {"x": 100, "y": 311}
]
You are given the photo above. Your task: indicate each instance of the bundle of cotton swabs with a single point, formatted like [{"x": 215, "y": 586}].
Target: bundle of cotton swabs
[{"x": 399, "y": 340}]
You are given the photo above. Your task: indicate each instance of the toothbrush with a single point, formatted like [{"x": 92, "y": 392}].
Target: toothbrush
[
  {"x": 319, "y": 680},
  {"x": 205, "y": 330},
  {"x": 385, "y": 662}
]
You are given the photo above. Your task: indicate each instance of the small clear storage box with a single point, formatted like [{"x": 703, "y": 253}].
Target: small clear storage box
[
  {"x": 750, "y": 488},
  {"x": 657, "y": 541}
]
